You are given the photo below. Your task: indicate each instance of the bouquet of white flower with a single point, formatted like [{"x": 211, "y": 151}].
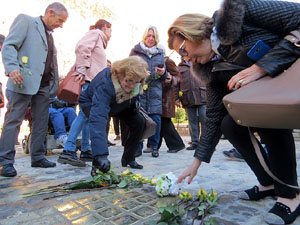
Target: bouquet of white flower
[{"x": 166, "y": 185}]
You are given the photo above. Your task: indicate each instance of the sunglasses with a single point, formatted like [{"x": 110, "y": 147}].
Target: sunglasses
[{"x": 182, "y": 51}]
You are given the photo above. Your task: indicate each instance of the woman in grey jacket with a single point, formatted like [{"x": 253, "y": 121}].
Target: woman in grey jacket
[{"x": 218, "y": 49}]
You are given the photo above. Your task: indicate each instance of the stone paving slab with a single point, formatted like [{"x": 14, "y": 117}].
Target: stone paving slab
[{"x": 121, "y": 206}]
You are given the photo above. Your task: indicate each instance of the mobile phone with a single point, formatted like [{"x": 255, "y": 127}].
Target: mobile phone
[
  {"x": 160, "y": 65},
  {"x": 258, "y": 50}
]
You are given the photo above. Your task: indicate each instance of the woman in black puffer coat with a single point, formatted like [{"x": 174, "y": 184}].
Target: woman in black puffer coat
[{"x": 218, "y": 50}]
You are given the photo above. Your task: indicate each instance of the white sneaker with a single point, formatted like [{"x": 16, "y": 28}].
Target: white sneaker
[{"x": 62, "y": 139}]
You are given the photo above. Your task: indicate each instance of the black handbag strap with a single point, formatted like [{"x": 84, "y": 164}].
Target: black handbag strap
[{"x": 263, "y": 163}]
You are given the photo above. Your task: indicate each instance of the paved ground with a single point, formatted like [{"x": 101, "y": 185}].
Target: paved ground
[{"x": 126, "y": 206}]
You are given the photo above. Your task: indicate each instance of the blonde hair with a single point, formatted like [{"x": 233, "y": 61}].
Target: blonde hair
[
  {"x": 192, "y": 27},
  {"x": 131, "y": 67},
  {"x": 155, "y": 33}
]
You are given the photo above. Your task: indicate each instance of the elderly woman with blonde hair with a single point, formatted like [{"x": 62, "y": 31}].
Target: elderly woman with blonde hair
[{"x": 113, "y": 92}]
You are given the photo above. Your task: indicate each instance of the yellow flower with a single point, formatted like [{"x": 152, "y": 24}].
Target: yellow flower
[
  {"x": 180, "y": 93},
  {"x": 202, "y": 194},
  {"x": 185, "y": 196},
  {"x": 126, "y": 172},
  {"x": 24, "y": 59},
  {"x": 153, "y": 181},
  {"x": 138, "y": 177},
  {"x": 145, "y": 87},
  {"x": 145, "y": 180},
  {"x": 212, "y": 195}
]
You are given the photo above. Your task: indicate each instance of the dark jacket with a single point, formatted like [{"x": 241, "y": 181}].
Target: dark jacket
[
  {"x": 98, "y": 102},
  {"x": 192, "y": 88},
  {"x": 239, "y": 24},
  {"x": 170, "y": 90},
  {"x": 151, "y": 99}
]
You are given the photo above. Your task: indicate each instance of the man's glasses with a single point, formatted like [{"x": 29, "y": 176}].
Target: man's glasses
[{"x": 182, "y": 51}]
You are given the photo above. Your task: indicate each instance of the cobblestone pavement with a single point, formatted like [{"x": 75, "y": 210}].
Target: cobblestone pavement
[{"x": 134, "y": 206}]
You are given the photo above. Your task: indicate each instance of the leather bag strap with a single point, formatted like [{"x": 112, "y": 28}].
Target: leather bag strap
[
  {"x": 294, "y": 37},
  {"x": 263, "y": 163}
]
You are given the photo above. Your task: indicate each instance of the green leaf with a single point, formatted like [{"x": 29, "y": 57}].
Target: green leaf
[
  {"x": 201, "y": 207},
  {"x": 200, "y": 213},
  {"x": 166, "y": 216},
  {"x": 209, "y": 202},
  {"x": 181, "y": 213},
  {"x": 170, "y": 208},
  {"x": 79, "y": 185},
  {"x": 191, "y": 208},
  {"x": 107, "y": 177},
  {"x": 213, "y": 221},
  {"x": 122, "y": 184}
]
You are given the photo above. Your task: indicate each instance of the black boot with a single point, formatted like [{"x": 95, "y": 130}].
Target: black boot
[
  {"x": 155, "y": 153},
  {"x": 102, "y": 163},
  {"x": 133, "y": 164}
]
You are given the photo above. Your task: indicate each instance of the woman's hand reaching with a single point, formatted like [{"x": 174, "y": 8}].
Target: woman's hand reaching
[
  {"x": 246, "y": 76},
  {"x": 190, "y": 172}
]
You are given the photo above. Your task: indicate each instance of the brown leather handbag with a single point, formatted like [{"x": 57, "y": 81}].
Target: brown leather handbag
[
  {"x": 150, "y": 127},
  {"x": 69, "y": 89},
  {"x": 268, "y": 102}
]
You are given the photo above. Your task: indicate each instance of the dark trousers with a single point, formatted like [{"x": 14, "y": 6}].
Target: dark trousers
[
  {"x": 116, "y": 123},
  {"x": 281, "y": 157},
  {"x": 170, "y": 134},
  {"x": 13, "y": 120},
  {"x": 124, "y": 132},
  {"x": 135, "y": 124}
]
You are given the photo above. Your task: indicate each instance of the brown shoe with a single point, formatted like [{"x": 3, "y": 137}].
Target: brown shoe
[{"x": 148, "y": 150}]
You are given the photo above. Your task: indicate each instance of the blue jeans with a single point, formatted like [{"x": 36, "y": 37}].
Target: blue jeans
[
  {"x": 57, "y": 118},
  {"x": 153, "y": 141},
  {"x": 80, "y": 124}
]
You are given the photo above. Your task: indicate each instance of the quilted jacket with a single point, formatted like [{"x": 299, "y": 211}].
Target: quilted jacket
[
  {"x": 242, "y": 23},
  {"x": 151, "y": 99}
]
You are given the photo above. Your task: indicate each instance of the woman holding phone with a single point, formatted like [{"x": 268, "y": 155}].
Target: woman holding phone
[{"x": 151, "y": 99}]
